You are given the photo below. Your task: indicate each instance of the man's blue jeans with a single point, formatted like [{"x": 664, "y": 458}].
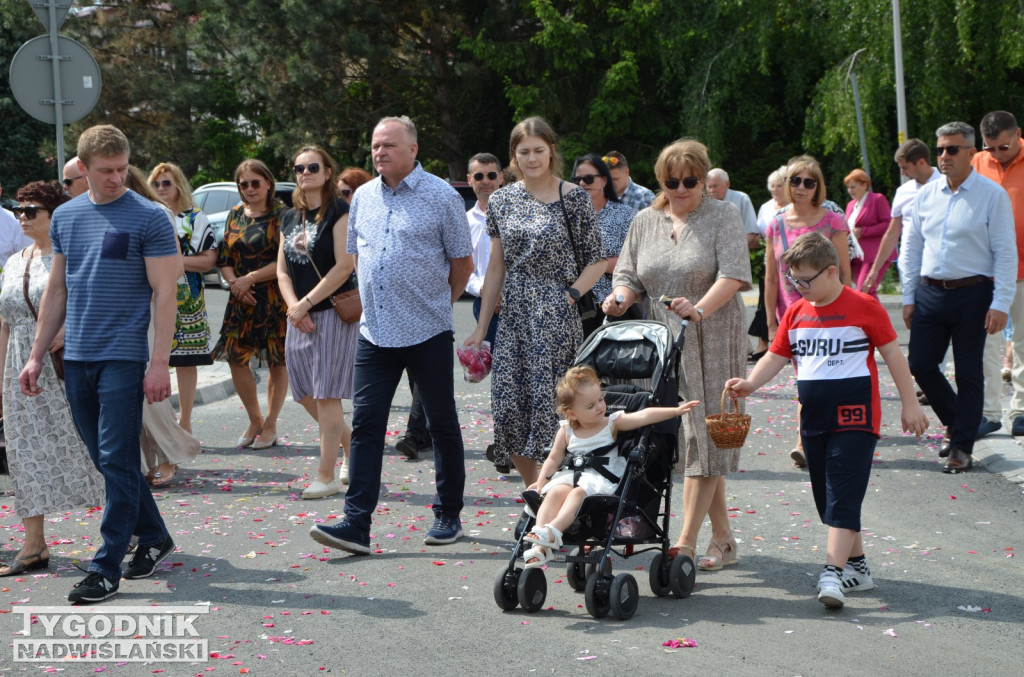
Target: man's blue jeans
[
  {"x": 106, "y": 403},
  {"x": 377, "y": 374}
]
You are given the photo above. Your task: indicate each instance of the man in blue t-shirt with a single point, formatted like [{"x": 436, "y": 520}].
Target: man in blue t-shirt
[{"x": 111, "y": 241}]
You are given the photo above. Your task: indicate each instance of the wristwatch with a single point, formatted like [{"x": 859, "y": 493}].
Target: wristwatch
[
  {"x": 700, "y": 311},
  {"x": 574, "y": 293}
]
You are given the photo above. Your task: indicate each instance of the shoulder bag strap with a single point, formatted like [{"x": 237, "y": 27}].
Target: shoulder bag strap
[
  {"x": 781, "y": 222},
  {"x": 568, "y": 228},
  {"x": 24, "y": 287}
]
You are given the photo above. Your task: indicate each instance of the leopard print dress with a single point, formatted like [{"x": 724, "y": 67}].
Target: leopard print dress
[{"x": 539, "y": 330}]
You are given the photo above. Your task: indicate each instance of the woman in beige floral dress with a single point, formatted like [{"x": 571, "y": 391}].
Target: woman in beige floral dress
[
  {"x": 51, "y": 471},
  {"x": 692, "y": 248}
]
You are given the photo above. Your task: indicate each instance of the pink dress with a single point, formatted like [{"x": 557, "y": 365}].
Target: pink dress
[{"x": 828, "y": 226}]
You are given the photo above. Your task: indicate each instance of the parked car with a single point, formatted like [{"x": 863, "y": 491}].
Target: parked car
[{"x": 216, "y": 200}]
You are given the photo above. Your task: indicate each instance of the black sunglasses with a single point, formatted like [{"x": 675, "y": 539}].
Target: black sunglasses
[
  {"x": 690, "y": 182},
  {"x": 255, "y": 183},
  {"x": 1004, "y": 147},
  {"x": 30, "y": 211},
  {"x": 949, "y": 150},
  {"x": 491, "y": 176},
  {"x": 808, "y": 182},
  {"x": 345, "y": 192},
  {"x": 68, "y": 182},
  {"x": 166, "y": 183},
  {"x": 313, "y": 167},
  {"x": 585, "y": 178}
]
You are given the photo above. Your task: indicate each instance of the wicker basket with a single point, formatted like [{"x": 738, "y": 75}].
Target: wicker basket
[{"x": 728, "y": 430}]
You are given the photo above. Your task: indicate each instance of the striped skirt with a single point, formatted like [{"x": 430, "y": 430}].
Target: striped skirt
[{"x": 320, "y": 364}]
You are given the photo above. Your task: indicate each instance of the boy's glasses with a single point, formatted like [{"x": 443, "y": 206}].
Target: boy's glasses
[{"x": 804, "y": 284}]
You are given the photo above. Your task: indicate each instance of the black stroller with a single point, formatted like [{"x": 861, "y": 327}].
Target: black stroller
[{"x": 637, "y": 362}]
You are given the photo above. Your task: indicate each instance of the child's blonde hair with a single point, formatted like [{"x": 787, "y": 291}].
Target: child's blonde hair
[{"x": 574, "y": 380}]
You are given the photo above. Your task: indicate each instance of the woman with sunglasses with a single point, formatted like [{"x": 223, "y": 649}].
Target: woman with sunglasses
[
  {"x": 254, "y": 320},
  {"x": 50, "y": 468},
  {"x": 313, "y": 266},
  {"x": 350, "y": 179},
  {"x": 613, "y": 218},
  {"x": 808, "y": 212},
  {"x": 191, "y": 345},
  {"x": 691, "y": 250}
]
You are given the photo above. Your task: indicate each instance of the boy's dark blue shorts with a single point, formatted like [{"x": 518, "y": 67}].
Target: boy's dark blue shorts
[{"x": 840, "y": 468}]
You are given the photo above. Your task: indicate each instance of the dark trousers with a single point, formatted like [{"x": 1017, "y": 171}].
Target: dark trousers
[
  {"x": 759, "y": 323},
  {"x": 377, "y": 374},
  {"x": 942, "y": 316}
]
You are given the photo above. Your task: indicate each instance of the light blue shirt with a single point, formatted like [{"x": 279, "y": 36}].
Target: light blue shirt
[
  {"x": 405, "y": 239},
  {"x": 746, "y": 207},
  {"x": 962, "y": 234}
]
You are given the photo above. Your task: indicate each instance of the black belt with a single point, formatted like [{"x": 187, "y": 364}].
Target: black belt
[{"x": 956, "y": 284}]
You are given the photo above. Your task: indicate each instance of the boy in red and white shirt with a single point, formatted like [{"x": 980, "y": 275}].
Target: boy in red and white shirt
[{"x": 832, "y": 333}]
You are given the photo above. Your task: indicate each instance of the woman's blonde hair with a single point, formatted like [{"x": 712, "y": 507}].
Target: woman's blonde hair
[
  {"x": 535, "y": 126},
  {"x": 574, "y": 380},
  {"x": 678, "y": 155},
  {"x": 185, "y": 201},
  {"x": 805, "y": 163}
]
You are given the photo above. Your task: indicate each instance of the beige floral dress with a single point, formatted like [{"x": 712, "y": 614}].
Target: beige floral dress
[
  {"x": 51, "y": 471},
  {"x": 711, "y": 246}
]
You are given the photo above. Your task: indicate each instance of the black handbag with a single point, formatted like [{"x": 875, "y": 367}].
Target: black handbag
[{"x": 587, "y": 305}]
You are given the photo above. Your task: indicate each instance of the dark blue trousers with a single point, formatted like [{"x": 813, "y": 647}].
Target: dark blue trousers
[
  {"x": 378, "y": 372},
  {"x": 942, "y": 316}
]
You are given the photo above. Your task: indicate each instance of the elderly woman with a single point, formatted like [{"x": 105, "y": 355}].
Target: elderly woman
[
  {"x": 765, "y": 215},
  {"x": 51, "y": 471},
  {"x": 349, "y": 180},
  {"x": 191, "y": 346},
  {"x": 254, "y": 320},
  {"x": 868, "y": 215},
  {"x": 692, "y": 248},
  {"x": 545, "y": 253},
  {"x": 613, "y": 218},
  {"x": 313, "y": 266}
]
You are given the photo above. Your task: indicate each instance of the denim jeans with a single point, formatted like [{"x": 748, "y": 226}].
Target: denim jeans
[
  {"x": 106, "y": 404},
  {"x": 378, "y": 372}
]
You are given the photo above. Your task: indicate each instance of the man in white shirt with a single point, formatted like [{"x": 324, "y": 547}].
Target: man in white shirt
[
  {"x": 484, "y": 178},
  {"x": 915, "y": 161}
]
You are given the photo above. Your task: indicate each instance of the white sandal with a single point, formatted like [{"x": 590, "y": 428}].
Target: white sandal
[
  {"x": 553, "y": 540},
  {"x": 540, "y": 554}
]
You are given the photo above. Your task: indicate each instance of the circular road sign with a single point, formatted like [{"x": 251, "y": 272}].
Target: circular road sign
[{"x": 32, "y": 79}]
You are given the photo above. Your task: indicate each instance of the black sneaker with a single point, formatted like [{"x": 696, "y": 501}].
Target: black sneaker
[
  {"x": 343, "y": 536},
  {"x": 410, "y": 448},
  {"x": 93, "y": 588},
  {"x": 145, "y": 559}
]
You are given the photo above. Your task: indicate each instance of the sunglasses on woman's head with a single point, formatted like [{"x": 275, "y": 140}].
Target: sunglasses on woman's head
[
  {"x": 313, "y": 167},
  {"x": 30, "y": 211},
  {"x": 808, "y": 182},
  {"x": 491, "y": 176},
  {"x": 166, "y": 183},
  {"x": 255, "y": 183},
  {"x": 585, "y": 178},
  {"x": 690, "y": 182}
]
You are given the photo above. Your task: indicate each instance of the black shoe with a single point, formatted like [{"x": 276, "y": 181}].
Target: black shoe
[
  {"x": 922, "y": 399},
  {"x": 1018, "y": 426},
  {"x": 343, "y": 536},
  {"x": 987, "y": 427},
  {"x": 410, "y": 448},
  {"x": 93, "y": 588},
  {"x": 947, "y": 442},
  {"x": 503, "y": 469},
  {"x": 959, "y": 461},
  {"x": 145, "y": 559}
]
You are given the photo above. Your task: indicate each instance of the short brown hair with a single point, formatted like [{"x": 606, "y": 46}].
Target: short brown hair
[
  {"x": 328, "y": 192},
  {"x": 105, "y": 140},
  {"x": 913, "y": 151},
  {"x": 261, "y": 170},
  {"x": 185, "y": 201},
  {"x": 615, "y": 160},
  {"x": 813, "y": 250},
  {"x": 680, "y": 154},
  {"x": 858, "y": 175},
  {"x": 574, "y": 379},
  {"x": 47, "y": 194},
  {"x": 805, "y": 163},
  {"x": 535, "y": 126}
]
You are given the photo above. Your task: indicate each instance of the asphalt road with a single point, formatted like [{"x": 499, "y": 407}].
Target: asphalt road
[{"x": 942, "y": 550}]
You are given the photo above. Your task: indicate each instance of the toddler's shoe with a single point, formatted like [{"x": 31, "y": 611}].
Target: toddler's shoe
[
  {"x": 830, "y": 590},
  {"x": 854, "y": 582}
]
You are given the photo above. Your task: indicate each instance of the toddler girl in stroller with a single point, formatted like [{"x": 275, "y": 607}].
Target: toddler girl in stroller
[{"x": 585, "y": 456}]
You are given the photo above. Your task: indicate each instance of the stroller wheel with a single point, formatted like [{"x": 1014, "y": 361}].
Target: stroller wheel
[
  {"x": 682, "y": 573},
  {"x": 659, "y": 576},
  {"x": 506, "y": 588},
  {"x": 624, "y": 596},
  {"x": 576, "y": 573},
  {"x": 597, "y": 595},
  {"x": 532, "y": 590}
]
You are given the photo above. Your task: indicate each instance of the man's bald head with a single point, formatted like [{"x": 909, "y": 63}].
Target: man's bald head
[{"x": 74, "y": 183}]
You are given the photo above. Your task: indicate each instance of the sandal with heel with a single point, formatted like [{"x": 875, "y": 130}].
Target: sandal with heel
[{"x": 709, "y": 562}]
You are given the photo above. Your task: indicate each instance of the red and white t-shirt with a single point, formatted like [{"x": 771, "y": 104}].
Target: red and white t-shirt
[{"x": 833, "y": 347}]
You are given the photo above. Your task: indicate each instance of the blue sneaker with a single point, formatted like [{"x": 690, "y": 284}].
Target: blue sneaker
[
  {"x": 342, "y": 536},
  {"x": 445, "y": 530},
  {"x": 987, "y": 427},
  {"x": 1018, "y": 426}
]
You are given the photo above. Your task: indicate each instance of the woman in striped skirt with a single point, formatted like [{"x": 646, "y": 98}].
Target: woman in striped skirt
[{"x": 319, "y": 348}]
